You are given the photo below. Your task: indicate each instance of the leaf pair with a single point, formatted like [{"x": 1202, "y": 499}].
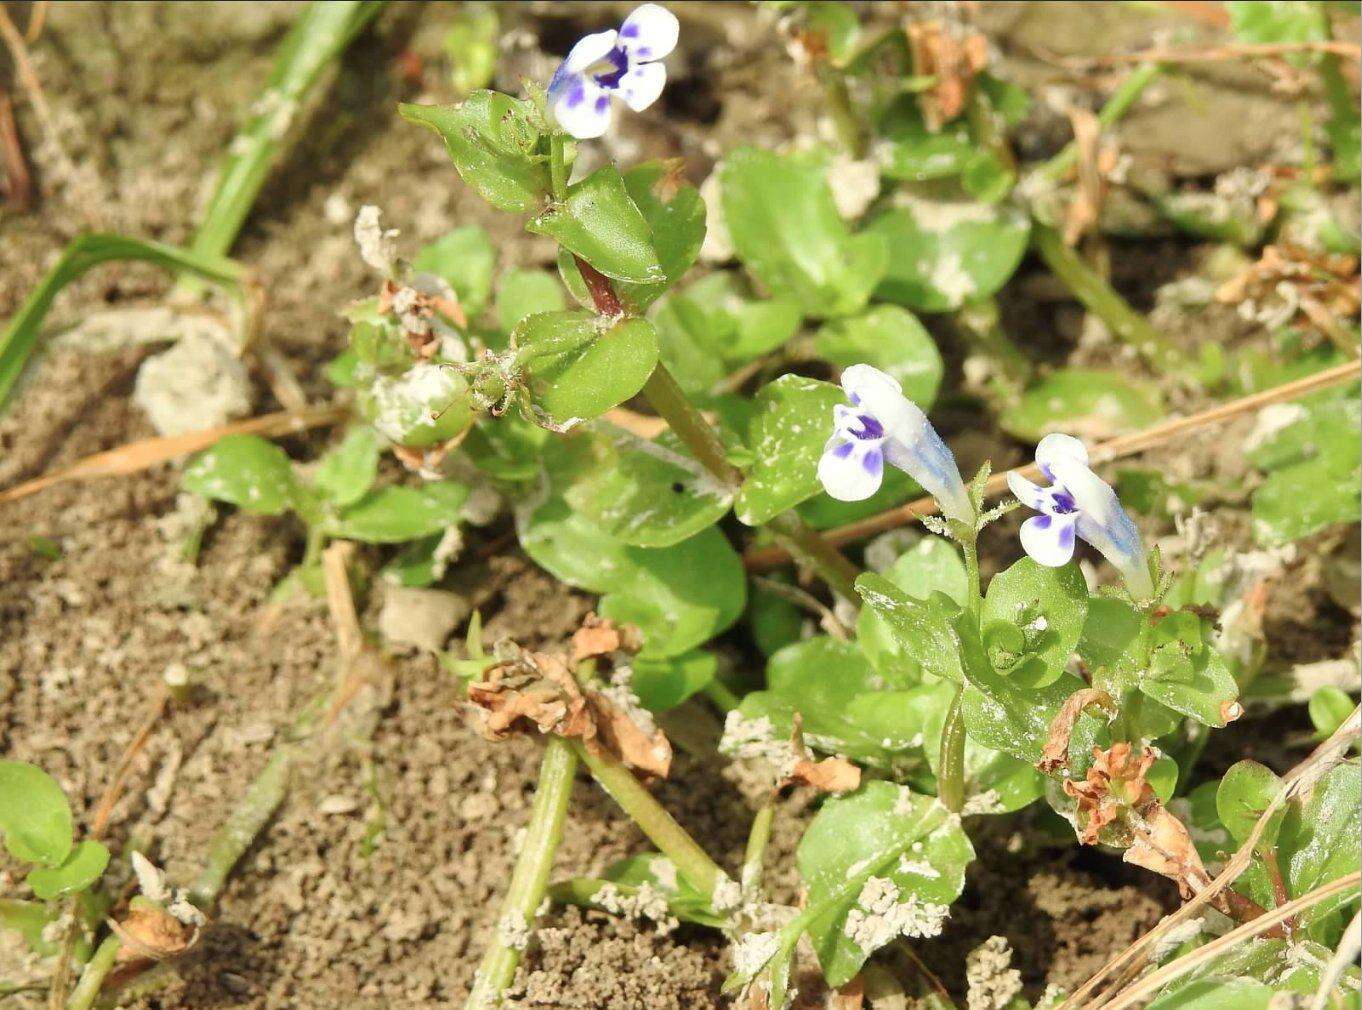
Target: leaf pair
[{"x": 35, "y": 820}]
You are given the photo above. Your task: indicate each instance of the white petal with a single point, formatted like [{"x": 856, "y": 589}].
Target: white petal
[
  {"x": 582, "y": 108},
  {"x": 854, "y": 476},
  {"x": 877, "y": 393},
  {"x": 1029, "y": 494},
  {"x": 642, "y": 85},
  {"x": 1103, "y": 523},
  {"x": 929, "y": 461},
  {"x": 590, "y": 49},
  {"x": 1049, "y": 540},
  {"x": 649, "y": 33},
  {"x": 1055, "y": 446}
]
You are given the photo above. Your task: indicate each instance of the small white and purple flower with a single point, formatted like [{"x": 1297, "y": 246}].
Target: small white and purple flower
[
  {"x": 613, "y": 63},
  {"x": 883, "y": 426},
  {"x": 1078, "y": 505}
]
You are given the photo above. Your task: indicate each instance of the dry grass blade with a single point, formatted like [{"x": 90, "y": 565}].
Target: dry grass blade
[
  {"x": 137, "y": 456},
  {"x": 115, "y": 788},
  {"x": 17, "y": 187},
  {"x": 1204, "y": 54},
  {"x": 1296, "y": 781},
  {"x": 760, "y": 559},
  {"x": 1151, "y": 982}
]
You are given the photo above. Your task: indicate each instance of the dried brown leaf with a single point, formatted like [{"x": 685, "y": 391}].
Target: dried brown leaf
[
  {"x": 953, "y": 61},
  {"x": 600, "y": 637},
  {"x": 830, "y": 775},
  {"x": 1055, "y": 753},
  {"x": 152, "y": 934},
  {"x": 1163, "y": 844}
]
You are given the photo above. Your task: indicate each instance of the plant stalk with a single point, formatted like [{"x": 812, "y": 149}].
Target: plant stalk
[
  {"x": 806, "y": 545},
  {"x": 239, "y": 831},
  {"x": 672, "y": 840},
  {"x": 530, "y": 879},
  {"x": 1100, "y": 298},
  {"x": 757, "y": 839},
  {"x": 92, "y": 978},
  {"x": 951, "y": 786},
  {"x": 1120, "y": 102},
  {"x": 557, "y": 167}
]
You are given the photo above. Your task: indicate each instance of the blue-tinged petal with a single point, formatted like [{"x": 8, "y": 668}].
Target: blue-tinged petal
[
  {"x": 1029, "y": 494},
  {"x": 590, "y": 49},
  {"x": 642, "y": 85},
  {"x": 851, "y": 470},
  {"x": 928, "y": 460},
  {"x": 649, "y": 33},
  {"x": 1049, "y": 540},
  {"x": 1056, "y": 446},
  {"x": 582, "y": 108},
  {"x": 1103, "y": 523}
]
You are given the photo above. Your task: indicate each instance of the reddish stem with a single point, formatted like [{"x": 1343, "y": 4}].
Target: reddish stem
[{"x": 603, "y": 294}]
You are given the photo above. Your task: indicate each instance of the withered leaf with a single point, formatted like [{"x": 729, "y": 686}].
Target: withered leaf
[
  {"x": 152, "y": 934},
  {"x": 1055, "y": 753}
]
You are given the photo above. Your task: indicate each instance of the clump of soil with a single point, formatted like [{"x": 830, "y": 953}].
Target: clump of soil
[{"x": 378, "y": 882}]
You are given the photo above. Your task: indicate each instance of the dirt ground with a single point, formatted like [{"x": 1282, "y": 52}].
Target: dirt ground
[{"x": 146, "y": 95}]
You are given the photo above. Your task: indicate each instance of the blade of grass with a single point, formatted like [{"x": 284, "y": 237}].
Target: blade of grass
[
  {"x": 20, "y": 337},
  {"x": 317, "y": 38}
]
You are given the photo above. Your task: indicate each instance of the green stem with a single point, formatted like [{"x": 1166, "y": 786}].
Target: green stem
[
  {"x": 672, "y": 840},
  {"x": 530, "y": 879},
  {"x": 722, "y": 695},
  {"x": 981, "y": 324},
  {"x": 318, "y": 37},
  {"x": 1100, "y": 298},
  {"x": 970, "y": 545},
  {"x": 92, "y": 978},
  {"x": 240, "y": 829},
  {"x": 987, "y": 129},
  {"x": 665, "y": 396},
  {"x": 557, "y": 166},
  {"x": 806, "y": 545},
  {"x": 757, "y": 839},
  {"x": 1117, "y": 106},
  {"x": 951, "y": 786},
  {"x": 840, "y": 107}
]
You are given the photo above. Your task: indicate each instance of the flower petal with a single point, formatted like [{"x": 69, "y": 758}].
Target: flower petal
[
  {"x": 1103, "y": 523},
  {"x": 590, "y": 49},
  {"x": 849, "y": 470},
  {"x": 582, "y": 108},
  {"x": 642, "y": 85},
  {"x": 649, "y": 33},
  {"x": 1055, "y": 446},
  {"x": 929, "y": 461},
  {"x": 1029, "y": 494},
  {"x": 1049, "y": 540}
]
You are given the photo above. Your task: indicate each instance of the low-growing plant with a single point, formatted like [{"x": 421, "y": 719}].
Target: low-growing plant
[{"x": 928, "y": 695}]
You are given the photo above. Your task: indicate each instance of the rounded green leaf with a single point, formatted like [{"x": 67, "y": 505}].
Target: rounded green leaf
[
  {"x": 34, "y": 815},
  {"x": 649, "y": 493},
  {"x": 1329, "y": 709},
  {"x": 933, "y": 565},
  {"x": 786, "y": 438},
  {"x": 78, "y": 871},
  {"x": 394, "y": 515},
  {"x": 492, "y": 139},
  {"x": 246, "y": 471},
  {"x": 1046, "y": 607},
  {"x": 347, "y": 471},
  {"x": 525, "y": 292},
  {"x": 466, "y": 260},
  {"x": 425, "y": 405},
  {"x": 786, "y": 230},
  {"x": 1086, "y": 402},
  {"x": 885, "y": 862},
  {"x": 662, "y": 684},
  {"x": 600, "y": 223},
  {"x": 891, "y": 339},
  {"x": 578, "y": 371},
  {"x": 676, "y": 221},
  {"x": 995, "y": 783},
  {"x": 1245, "y": 792},
  {"x": 943, "y": 253}
]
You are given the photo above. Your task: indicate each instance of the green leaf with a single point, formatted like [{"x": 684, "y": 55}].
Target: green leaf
[
  {"x": 943, "y": 253},
  {"x": 466, "y": 260},
  {"x": 493, "y": 140},
  {"x": 1091, "y": 403},
  {"x": 1267, "y": 21},
  {"x": 995, "y": 783},
  {"x": 911, "y": 849},
  {"x": 891, "y": 339},
  {"x": 577, "y": 371},
  {"x": 792, "y": 423},
  {"x": 675, "y": 215},
  {"x": 824, "y": 512},
  {"x": 424, "y": 406},
  {"x": 1217, "y": 993},
  {"x": 524, "y": 293},
  {"x": 913, "y": 153},
  {"x": 30, "y": 920},
  {"x": 415, "y": 565},
  {"x": 1246, "y": 790},
  {"x": 836, "y": 23},
  {"x": 80, "y": 869},
  {"x": 34, "y": 815},
  {"x": 394, "y": 515},
  {"x": 649, "y": 493},
  {"x": 347, "y": 471},
  {"x": 773, "y": 619},
  {"x": 1192, "y": 680},
  {"x": 21, "y": 335},
  {"x": 933, "y": 565},
  {"x": 1329, "y": 709},
  {"x": 600, "y": 223},
  {"x": 842, "y": 701},
  {"x": 471, "y": 45},
  {"x": 680, "y": 596},
  {"x": 1319, "y": 840},
  {"x": 1047, "y": 607},
  {"x": 786, "y": 230},
  {"x": 1313, "y": 479},
  {"x": 246, "y": 471},
  {"x": 629, "y": 876},
  {"x": 662, "y": 684},
  {"x": 921, "y": 628}
]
